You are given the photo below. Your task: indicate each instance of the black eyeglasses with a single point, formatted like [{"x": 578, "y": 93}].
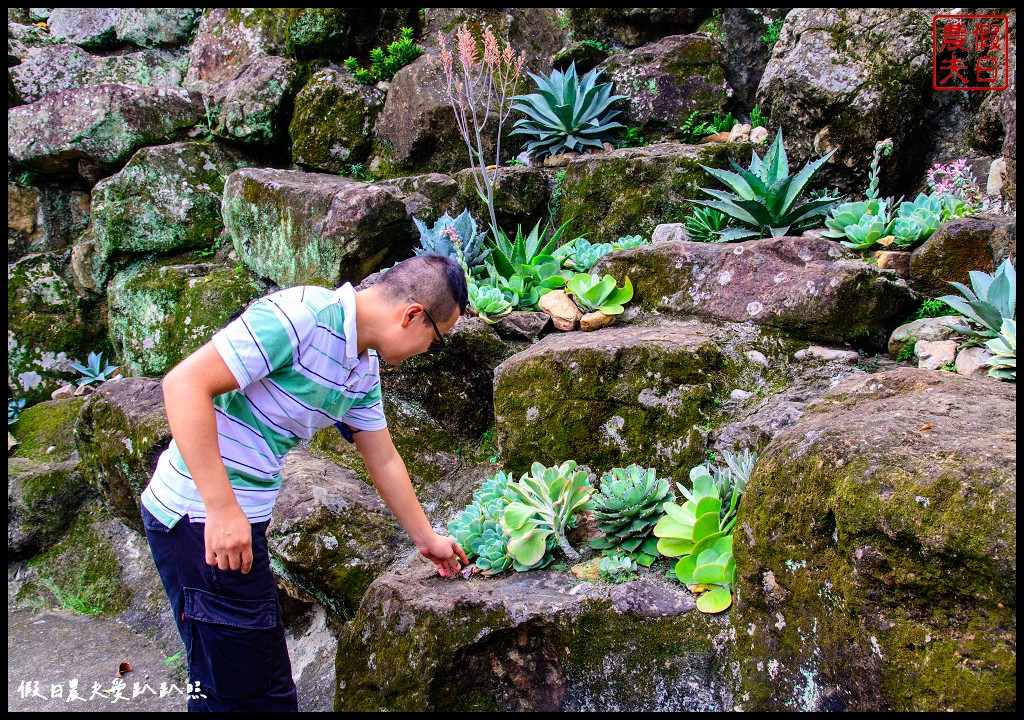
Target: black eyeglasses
[{"x": 440, "y": 344}]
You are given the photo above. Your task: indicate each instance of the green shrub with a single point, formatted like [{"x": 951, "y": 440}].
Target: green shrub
[{"x": 385, "y": 63}]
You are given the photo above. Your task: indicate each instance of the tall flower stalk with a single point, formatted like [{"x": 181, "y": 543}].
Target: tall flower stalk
[{"x": 480, "y": 90}]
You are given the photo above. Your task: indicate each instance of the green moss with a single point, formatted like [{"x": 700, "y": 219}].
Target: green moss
[
  {"x": 44, "y": 425},
  {"x": 81, "y": 573}
]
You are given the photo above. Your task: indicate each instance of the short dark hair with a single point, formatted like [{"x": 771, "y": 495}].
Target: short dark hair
[{"x": 436, "y": 281}]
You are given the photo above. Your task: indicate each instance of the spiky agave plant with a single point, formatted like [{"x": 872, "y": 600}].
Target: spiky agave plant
[
  {"x": 765, "y": 199},
  {"x": 566, "y": 113},
  {"x": 627, "y": 507},
  {"x": 450, "y": 236}
]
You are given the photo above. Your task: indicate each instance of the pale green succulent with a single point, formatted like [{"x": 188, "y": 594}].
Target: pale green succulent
[
  {"x": 918, "y": 220},
  {"x": 492, "y": 551},
  {"x": 989, "y": 301},
  {"x": 628, "y": 242},
  {"x": 627, "y": 507},
  {"x": 477, "y": 529},
  {"x": 593, "y": 293},
  {"x": 765, "y": 199},
  {"x": 867, "y": 231},
  {"x": 96, "y": 371},
  {"x": 489, "y": 302},
  {"x": 711, "y": 565},
  {"x": 706, "y": 225},
  {"x": 567, "y": 113},
  {"x": 617, "y": 568},
  {"x": 1003, "y": 363},
  {"x": 845, "y": 215},
  {"x": 545, "y": 501},
  {"x": 697, "y": 519},
  {"x": 450, "y": 236},
  {"x": 585, "y": 255}
]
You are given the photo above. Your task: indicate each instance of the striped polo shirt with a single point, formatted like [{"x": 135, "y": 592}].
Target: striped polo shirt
[{"x": 294, "y": 355}]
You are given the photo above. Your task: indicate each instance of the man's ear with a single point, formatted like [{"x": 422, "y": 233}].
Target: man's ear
[{"x": 409, "y": 312}]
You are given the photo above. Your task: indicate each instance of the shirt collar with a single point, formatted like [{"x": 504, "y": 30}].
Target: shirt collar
[{"x": 347, "y": 297}]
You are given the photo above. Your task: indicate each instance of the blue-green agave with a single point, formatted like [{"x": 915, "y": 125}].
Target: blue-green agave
[
  {"x": 95, "y": 371},
  {"x": 627, "y": 507},
  {"x": 989, "y": 301},
  {"x": 765, "y": 199},
  {"x": 1003, "y": 363},
  {"x": 545, "y": 501},
  {"x": 593, "y": 293},
  {"x": 567, "y": 113},
  {"x": 450, "y": 236}
]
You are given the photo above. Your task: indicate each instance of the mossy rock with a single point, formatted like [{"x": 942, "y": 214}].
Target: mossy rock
[
  {"x": 957, "y": 248},
  {"x": 43, "y": 219},
  {"x": 535, "y": 641},
  {"x": 162, "y": 312},
  {"x": 633, "y": 190},
  {"x": 49, "y": 326},
  {"x": 331, "y": 535},
  {"x": 45, "y": 486},
  {"x": 611, "y": 397},
  {"x": 876, "y": 551},
  {"x": 166, "y": 199},
  {"x": 120, "y": 433},
  {"x": 331, "y": 128}
]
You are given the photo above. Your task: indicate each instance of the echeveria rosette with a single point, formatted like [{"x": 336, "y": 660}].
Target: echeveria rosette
[
  {"x": 627, "y": 507},
  {"x": 545, "y": 501},
  {"x": 593, "y": 293},
  {"x": 765, "y": 198},
  {"x": 566, "y": 113},
  {"x": 477, "y": 529},
  {"x": 488, "y": 302}
]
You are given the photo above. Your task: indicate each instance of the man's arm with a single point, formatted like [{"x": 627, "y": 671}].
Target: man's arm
[
  {"x": 387, "y": 470},
  {"x": 189, "y": 390}
]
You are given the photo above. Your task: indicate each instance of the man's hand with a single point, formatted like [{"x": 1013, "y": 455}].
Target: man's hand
[
  {"x": 229, "y": 539},
  {"x": 445, "y": 553}
]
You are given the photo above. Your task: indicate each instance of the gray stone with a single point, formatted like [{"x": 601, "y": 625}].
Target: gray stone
[
  {"x": 633, "y": 26},
  {"x": 293, "y": 227},
  {"x": 670, "y": 232},
  {"x": 973, "y": 361},
  {"x": 757, "y": 358},
  {"x": 43, "y": 219},
  {"x": 527, "y": 325},
  {"x": 87, "y": 27},
  {"x": 157, "y": 27},
  {"x": 740, "y": 395},
  {"x": 104, "y": 124},
  {"x": 923, "y": 329},
  {"x": 666, "y": 81},
  {"x": 934, "y": 354},
  {"x": 745, "y": 55},
  {"x": 817, "y": 352},
  {"x": 958, "y": 247}
]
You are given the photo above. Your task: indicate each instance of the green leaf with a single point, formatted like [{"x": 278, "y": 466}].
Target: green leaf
[
  {"x": 516, "y": 515},
  {"x": 709, "y": 573},
  {"x": 685, "y": 568},
  {"x": 674, "y": 546},
  {"x": 715, "y": 600},
  {"x": 529, "y": 549}
]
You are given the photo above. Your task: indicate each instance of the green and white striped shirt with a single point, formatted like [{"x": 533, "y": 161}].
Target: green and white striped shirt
[{"x": 293, "y": 354}]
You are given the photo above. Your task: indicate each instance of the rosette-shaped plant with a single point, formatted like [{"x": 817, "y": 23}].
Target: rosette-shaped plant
[
  {"x": 867, "y": 231},
  {"x": 711, "y": 566},
  {"x": 545, "y": 501},
  {"x": 990, "y": 300},
  {"x": 478, "y": 528},
  {"x": 629, "y": 241},
  {"x": 617, "y": 568},
  {"x": 916, "y": 221},
  {"x": 696, "y": 520},
  {"x": 765, "y": 199},
  {"x": 706, "y": 225},
  {"x": 593, "y": 293},
  {"x": 450, "y": 235},
  {"x": 567, "y": 113},
  {"x": 627, "y": 507},
  {"x": 585, "y": 255},
  {"x": 489, "y": 302},
  {"x": 1003, "y": 362}
]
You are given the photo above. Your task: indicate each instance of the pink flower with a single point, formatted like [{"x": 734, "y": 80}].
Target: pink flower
[{"x": 467, "y": 49}]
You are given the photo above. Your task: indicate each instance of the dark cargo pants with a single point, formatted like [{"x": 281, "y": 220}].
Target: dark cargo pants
[{"x": 230, "y": 623}]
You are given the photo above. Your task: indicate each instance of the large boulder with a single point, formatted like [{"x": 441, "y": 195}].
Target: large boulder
[
  {"x": 160, "y": 313},
  {"x": 744, "y": 54},
  {"x": 535, "y": 641},
  {"x": 609, "y": 398},
  {"x": 666, "y": 81},
  {"x": 957, "y": 248},
  {"x": 633, "y": 190},
  {"x": 45, "y": 486},
  {"x": 331, "y": 535},
  {"x": 876, "y": 551},
  {"x": 253, "y": 106},
  {"x": 840, "y": 79},
  {"x": 157, "y": 27},
  {"x": 427, "y": 197},
  {"x": 1008, "y": 113},
  {"x": 43, "y": 219},
  {"x": 65, "y": 67},
  {"x": 810, "y": 287},
  {"x": 49, "y": 326},
  {"x": 538, "y": 33},
  {"x": 86, "y": 27},
  {"x": 102, "y": 125},
  {"x": 331, "y": 128},
  {"x": 120, "y": 433},
  {"x": 293, "y": 227}
]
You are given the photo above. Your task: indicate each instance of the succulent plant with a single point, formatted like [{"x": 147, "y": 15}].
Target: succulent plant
[
  {"x": 518, "y": 291},
  {"x": 567, "y": 113},
  {"x": 593, "y": 293},
  {"x": 545, "y": 500},
  {"x": 627, "y": 507},
  {"x": 867, "y": 231},
  {"x": 766, "y": 199},
  {"x": 990, "y": 300},
  {"x": 712, "y": 566},
  {"x": 629, "y": 241},
  {"x": 585, "y": 255},
  {"x": 617, "y": 568},
  {"x": 844, "y": 215},
  {"x": 699, "y": 518},
  {"x": 508, "y": 255},
  {"x": 916, "y": 221},
  {"x": 706, "y": 225},
  {"x": 478, "y": 529},
  {"x": 489, "y": 302},
  {"x": 96, "y": 371},
  {"x": 450, "y": 236},
  {"x": 1003, "y": 363},
  {"x": 14, "y": 408}
]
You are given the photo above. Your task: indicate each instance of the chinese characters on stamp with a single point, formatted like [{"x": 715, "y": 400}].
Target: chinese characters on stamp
[
  {"x": 118, "y": 691},
  {"x": 969, "y": 52}
]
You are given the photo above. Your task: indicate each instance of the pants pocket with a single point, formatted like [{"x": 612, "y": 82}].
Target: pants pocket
[{"x": 231, "y": 643}]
